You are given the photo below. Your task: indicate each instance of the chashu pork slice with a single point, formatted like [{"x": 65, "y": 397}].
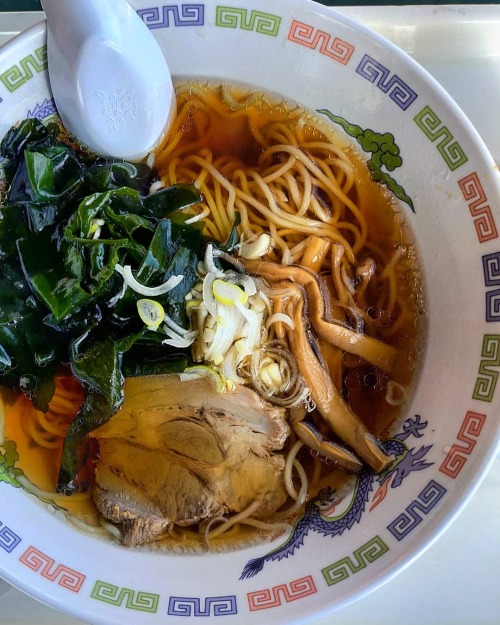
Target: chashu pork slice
[{"x": 179, "y": 453}]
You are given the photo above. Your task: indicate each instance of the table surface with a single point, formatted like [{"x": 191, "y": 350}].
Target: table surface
[
  {"x": 455, "y": 582},
  {"x": 34, "y": 5}
]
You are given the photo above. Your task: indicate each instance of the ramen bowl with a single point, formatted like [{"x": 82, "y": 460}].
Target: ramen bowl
[{"x": 446, "y": 185}]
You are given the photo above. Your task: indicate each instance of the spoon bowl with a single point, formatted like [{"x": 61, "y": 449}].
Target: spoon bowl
[{"x": 109, "y": 77}]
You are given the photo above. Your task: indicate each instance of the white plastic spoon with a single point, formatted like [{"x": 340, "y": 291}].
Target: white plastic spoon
[{"x": 109, "y": 78}]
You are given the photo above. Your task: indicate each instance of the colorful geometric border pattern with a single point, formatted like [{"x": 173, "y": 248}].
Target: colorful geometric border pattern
[
  {"x": 19, "y": 74},
  {"x": 45, "y": 565},
  {"x": 310, "y": 37},
  {"x": 473, "y": 193},
  {"x": 8, "y": 539},
  {"x": 173, "y": 15},
  {"x": 431, "y": 125},
  {"x": 212, "y": 606},
  {"x": 468, "y": 435},
  {"x": 408, "y": 520},
  {"x": 491, "y": 272},
  {"x": 491, "y": 269},
  {"x": 327, "y": 44},
  {"x": 487, "y": 379},
  {"x": 258, "y": 21},
  {"x": 397, "y": 90},
  {"x": 363, "y": 556},
  {"x": 126, "y": 597},
  {"x": 275, "y": 596}
]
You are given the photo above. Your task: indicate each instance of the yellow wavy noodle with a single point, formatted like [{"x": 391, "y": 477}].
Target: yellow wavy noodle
[
  {"x": 288, "y": 175},
  {"x": 270, "y": 170},
  {"x": 39, "y": 438}
]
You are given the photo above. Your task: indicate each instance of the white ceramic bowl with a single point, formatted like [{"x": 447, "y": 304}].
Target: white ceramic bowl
[{"x": 312, "y": 55}]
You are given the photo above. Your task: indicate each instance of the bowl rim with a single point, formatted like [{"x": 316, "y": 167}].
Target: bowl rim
[{"x": 439, "y": 527}]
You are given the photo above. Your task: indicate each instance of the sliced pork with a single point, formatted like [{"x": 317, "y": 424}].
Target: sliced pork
[{"x": 178, "y": 453}]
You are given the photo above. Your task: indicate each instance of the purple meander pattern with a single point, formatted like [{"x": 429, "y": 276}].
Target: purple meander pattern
[
  {"x": 408, "y": 520},
  {"x": 491, "y": 271},
  {"x": 398, "y": 91},
  {"x": 493, "y": 305},
  {"x": 170, "y": 15},
  {"x": 8, "y": 539},
  {"x": 192, "y": 606}
]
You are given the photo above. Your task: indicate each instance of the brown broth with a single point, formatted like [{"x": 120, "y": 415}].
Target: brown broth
[
  {"x": 363, "y": 386},
  {"x": 210, "y": 107}
]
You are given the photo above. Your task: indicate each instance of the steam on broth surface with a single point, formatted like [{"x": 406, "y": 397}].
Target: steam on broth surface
[{"x": 306, "y": 301}]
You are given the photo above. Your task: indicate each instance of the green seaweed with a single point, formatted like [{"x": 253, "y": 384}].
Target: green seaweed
[{"x": 68, "y": 220}]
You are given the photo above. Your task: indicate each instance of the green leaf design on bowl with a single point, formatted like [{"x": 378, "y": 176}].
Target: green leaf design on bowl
[
  {"x": 384, "y": 154},
  {"x": 8, "y": 459}
]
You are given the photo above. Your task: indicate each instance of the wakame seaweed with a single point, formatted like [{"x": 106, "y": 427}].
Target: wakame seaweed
[{"x": 67, "y": 220}]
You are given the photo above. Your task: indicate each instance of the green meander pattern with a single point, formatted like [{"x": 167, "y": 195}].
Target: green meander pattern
[
  {"x": 363, "y": 556},
  {"x": 258, "y": 21},
  {"x": 19, "y": 74},
  {"x": 431, "y": 126},
  {"x": 487, "y": 379},
  {"x": 131, "y": 599}
]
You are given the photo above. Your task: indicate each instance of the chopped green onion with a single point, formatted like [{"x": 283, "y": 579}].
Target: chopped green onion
[
  {"x": 227, "y": 293},
  {"x": 151, "y": 313},
  {"x": 126, "y": 273},
  {"x": 203, "y": 371},
  {"x": 210, "y": 265}
]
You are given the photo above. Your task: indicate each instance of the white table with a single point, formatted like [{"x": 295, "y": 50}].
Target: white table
[{"x": 456, "y": 581}]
